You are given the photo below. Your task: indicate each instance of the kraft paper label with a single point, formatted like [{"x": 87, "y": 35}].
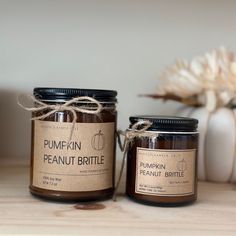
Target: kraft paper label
[
  {"x": 165, "y": 172},
  {"x": 83, "y": 164}
]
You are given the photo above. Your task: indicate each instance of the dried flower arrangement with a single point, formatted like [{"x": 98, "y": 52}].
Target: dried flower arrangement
[{"x": 208, "y": 81}]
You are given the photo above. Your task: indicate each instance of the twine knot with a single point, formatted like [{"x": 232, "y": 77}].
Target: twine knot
[
  {"x": 92, "y": 106},
  {"x": 59, "y": 107},
  {"x": 137, "y": 129},
  {"x": 67, "y": 106}
]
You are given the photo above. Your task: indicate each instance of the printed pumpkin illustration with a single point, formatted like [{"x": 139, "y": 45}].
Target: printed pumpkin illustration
[
  {"x": 182, "y": 165},
  {"x": 98, "y": 141}
]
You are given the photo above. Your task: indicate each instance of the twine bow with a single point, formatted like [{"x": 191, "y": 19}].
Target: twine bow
[
  {"x": 129, "y": 135},
  {"x": 67, "y": 106}
]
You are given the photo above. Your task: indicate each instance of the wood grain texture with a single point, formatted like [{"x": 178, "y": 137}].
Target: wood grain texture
[{"x": 22, "y": 214}]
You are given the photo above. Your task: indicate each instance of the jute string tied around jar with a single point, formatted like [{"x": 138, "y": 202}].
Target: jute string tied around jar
[
  {"x": 137, "y": 130},
  {"x": 51, "y": 109}
]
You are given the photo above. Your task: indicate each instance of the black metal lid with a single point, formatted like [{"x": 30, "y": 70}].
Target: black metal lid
[
  {"x": 168, "y": 123},
  {"x": 51, "y": 94}
]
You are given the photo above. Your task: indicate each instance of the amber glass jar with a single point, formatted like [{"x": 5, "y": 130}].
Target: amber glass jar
[
  {"x": 73, "y": 161},
  {"x": 162, "y": 162}
]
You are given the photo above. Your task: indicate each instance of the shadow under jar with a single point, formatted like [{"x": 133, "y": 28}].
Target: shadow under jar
[
  {"x": 162, "y": 162},
  {"x": 74, "y": 163}
]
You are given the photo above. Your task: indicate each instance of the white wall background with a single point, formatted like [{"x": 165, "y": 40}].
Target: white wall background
[{"x": 120, "y": 45}]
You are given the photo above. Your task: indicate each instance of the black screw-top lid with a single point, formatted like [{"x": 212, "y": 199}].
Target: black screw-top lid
[
  {"x": 167, "y": 123},
  {"x": 50, "y": 94}
]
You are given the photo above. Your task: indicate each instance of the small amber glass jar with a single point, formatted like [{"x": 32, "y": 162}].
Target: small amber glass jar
[
  {"x": 162, "y": 162},
  {"x": 73, "y": 161}
]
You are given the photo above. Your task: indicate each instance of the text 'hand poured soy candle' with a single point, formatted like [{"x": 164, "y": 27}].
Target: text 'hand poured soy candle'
[{"x": 73, "y": 143}]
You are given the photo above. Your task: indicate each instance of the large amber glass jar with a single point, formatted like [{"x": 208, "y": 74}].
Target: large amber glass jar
[
  {"x": 162, "y": 161},
  {"x": 73, "y": 161}
]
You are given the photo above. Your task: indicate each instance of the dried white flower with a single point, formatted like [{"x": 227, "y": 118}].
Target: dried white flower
[{"x": 215, "y": 72}]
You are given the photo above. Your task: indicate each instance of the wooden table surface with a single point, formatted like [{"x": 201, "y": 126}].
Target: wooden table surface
[{"x": 22, "y": 214}]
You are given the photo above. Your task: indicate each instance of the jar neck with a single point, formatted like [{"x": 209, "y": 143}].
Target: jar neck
[
  {"x": 169, "y": 131},
  {"x": 106, "y": 106}
]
